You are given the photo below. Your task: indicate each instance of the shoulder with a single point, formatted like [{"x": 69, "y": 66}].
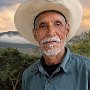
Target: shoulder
[
  {"x": 31, "y": 70},
  {"x": 79, "y": 57},
  {"x": 81, "y": 61}
]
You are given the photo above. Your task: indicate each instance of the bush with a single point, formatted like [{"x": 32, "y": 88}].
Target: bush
[{"x": 83, "y": 47}]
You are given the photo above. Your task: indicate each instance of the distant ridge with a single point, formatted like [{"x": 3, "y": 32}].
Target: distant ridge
[
  {"x": 10, "y": 33},
  {"x": 16, "y": 45}
]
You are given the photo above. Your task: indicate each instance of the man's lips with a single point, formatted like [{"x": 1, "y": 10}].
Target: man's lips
[{"x": 50, "y": 42}]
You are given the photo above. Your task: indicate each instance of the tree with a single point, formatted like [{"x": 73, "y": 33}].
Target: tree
[{"x": 12, "y": 65}]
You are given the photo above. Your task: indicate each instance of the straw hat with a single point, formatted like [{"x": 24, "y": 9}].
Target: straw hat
[{"x": 26, "y": 13}]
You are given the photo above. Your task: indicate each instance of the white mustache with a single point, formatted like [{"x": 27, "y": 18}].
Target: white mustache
[{"x": 51, "y": 39}]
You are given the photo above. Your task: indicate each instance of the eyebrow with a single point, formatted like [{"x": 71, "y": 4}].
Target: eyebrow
[{"x": 44, "y": 22}]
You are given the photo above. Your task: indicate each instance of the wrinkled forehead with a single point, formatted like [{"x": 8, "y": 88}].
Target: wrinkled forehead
[{"x": 50, "y": 11}]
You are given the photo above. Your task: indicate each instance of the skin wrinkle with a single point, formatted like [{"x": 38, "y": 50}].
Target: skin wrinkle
[{"x": 52, "y": 29}]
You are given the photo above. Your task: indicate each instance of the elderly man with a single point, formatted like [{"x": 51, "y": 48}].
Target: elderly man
[{"x": 50, "y": 24}]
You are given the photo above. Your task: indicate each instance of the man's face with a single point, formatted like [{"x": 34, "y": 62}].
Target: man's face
[{"x": 51, "y": 32}]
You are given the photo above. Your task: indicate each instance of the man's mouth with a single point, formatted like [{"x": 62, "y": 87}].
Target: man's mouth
[{"x": 51, "y": 40}]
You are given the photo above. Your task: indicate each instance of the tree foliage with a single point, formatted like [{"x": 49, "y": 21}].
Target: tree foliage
[
  {"x": 83, "y": 47},
  {"x": 12, "y": 65}
]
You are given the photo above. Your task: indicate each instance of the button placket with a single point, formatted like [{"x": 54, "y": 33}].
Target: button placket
[
  {"x": 56, "y": 71},
  {"x": 43, "y": 71},
  {"x": 46, "y": 86},
  {"x": 49, "y": 85}
]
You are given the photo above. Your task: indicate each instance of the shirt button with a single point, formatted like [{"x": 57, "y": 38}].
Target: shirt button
[
  {"x": 48, "y": 82},
  {"x": 41, "y": 69}
]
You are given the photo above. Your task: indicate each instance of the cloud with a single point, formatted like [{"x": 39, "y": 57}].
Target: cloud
[
  {"x": 85, "y": 3},
  {"x": 86, "y": 18},
  {"x": 9, "y": 2},
  {"x": 7, "y": 17},
  {"x": 13, "y": 39},
  {"x": 86, "y": 12}
]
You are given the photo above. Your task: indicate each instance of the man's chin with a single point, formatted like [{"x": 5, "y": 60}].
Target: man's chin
[{"x": 51, "y": 52}]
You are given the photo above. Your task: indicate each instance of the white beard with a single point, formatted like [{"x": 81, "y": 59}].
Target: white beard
[{"x": 53, "y": 51}]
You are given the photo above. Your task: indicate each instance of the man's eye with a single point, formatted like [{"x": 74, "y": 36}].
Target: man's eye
[
  {"x": 58, "y": 23},
  {"x": 42, "y": 26}
]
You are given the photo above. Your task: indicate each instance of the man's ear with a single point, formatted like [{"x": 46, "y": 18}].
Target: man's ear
[
  {"x": 35, "y": 34},
  {"x": 68, "y": 29}
]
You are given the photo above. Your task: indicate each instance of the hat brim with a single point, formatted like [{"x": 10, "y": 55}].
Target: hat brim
[{"x": 26, "y": 13}]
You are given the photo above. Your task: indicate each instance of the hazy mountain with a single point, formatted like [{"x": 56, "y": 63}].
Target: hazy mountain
[
  {"x": 16, "y": 45},
  {"x": 10, "y": 33},
  {"x": 12, "y": 39}
]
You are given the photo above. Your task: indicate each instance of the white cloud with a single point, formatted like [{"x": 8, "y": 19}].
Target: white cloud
[
  {"x": 7, "y": 18},
  {"x": 13, "y": 39}
]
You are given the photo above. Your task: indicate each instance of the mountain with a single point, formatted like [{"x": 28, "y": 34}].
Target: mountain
[
  {"x": 13, "y": 36},
  {"x": 9, "y": 33},
  {"x": 16, "y": 45},
  {"x": 12, "y": 39}
]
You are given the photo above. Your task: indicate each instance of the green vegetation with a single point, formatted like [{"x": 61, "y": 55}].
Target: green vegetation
[
  {"x": 82, "y": 47},
  {"x": 13, "y": 63}
]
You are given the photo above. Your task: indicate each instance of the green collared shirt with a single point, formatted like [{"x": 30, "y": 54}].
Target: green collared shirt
[{"x": 72, "y": 74}]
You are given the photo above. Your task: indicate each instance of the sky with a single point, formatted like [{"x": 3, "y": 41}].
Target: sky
[{"x": 8, "y": 8}]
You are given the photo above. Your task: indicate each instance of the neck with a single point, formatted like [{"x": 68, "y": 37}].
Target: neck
[{"x": 54, "y": 59}]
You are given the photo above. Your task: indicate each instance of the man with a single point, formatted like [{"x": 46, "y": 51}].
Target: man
[{"x": 50, "y": 24}]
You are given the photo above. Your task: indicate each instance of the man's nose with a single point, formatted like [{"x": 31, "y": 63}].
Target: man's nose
[{"x": 51, "y": 30}]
